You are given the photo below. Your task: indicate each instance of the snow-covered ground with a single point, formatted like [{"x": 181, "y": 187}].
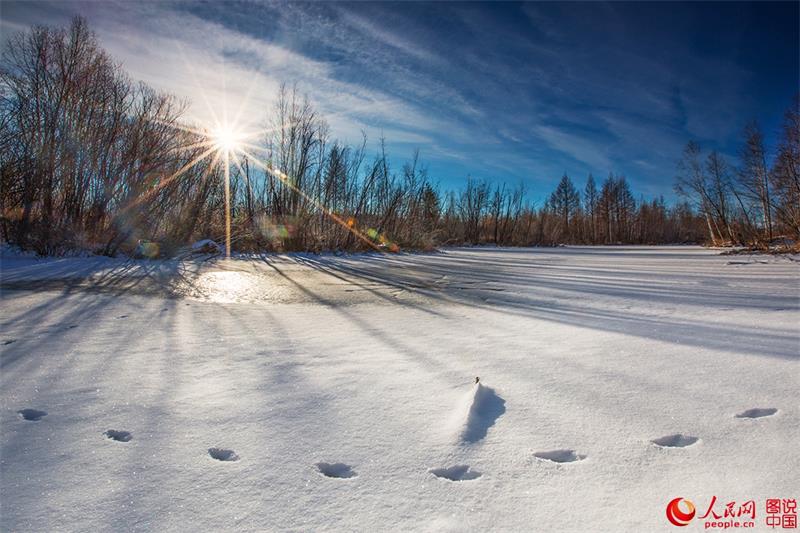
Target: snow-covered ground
[{"x": 312, "y": 393}]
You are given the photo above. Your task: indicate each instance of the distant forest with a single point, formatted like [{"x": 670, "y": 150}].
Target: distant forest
[{"x": 89, "y": 159}]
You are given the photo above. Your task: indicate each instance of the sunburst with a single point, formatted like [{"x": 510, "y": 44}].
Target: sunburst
[
  {"x": 228, "y": 139},
  {"x": 228, "y": 142},
  {"x": 225, "y": 138}
]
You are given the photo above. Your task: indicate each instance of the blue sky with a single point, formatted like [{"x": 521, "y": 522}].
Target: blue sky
[{"x": 502, "y": 91}]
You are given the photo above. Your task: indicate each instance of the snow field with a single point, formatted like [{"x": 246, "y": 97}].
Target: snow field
[{"x": 305, "y": 393}]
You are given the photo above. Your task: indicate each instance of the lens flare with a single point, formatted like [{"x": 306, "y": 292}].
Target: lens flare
[
  {"x": 227, "y": 143},
  {"x": 226, "y": 138}
]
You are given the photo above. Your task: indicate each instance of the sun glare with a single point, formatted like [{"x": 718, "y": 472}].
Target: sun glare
[
  {"x": 226, "y": 138},
  {"x": 227, "y": 145}
]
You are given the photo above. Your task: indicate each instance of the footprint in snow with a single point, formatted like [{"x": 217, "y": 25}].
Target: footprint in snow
[
  {"x": 757, "y": 412},
  {"x": 221, "y": 454},
  {"x": 560, "y": 456},
  {"x": 456, "y": 473},
  {"x": 33, "y": 415},
  {"x": 675, "y": 441},
  {"x": 336, "y": 470},
  {"x": 119, "y": 436}
]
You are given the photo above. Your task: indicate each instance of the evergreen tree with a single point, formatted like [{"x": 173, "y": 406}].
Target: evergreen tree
[{"x": 565, "y": 202}]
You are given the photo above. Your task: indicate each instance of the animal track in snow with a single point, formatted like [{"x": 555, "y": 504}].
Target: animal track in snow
[
  {"x": 560, "y": 456},
  {"x": 757, "y": 412},
  {"x": 456, "y": 473},
  {"x": 119, "y": 436},
  {"x": 33, "y": 415},
  {"x": 675, "y": 441},
  {"x": 336, "y": 470},
  {"x": 9, "y": 341},
  {"x": 221, "y": 454}
]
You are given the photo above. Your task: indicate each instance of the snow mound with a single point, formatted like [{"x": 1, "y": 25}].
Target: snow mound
[
  {"x": 675, "y": 441},
  {"x": 456, "y": 473},
  {"x": 485, "y": 406},
  {"x": 221, "y": 454},
  {"x": 757, "y": 412},
  {"x": 560, "y": 456},
  {"x": 336, "y": 470},
  {"x": 207, "y": 246},
  {"x": 33, "y": 415}
]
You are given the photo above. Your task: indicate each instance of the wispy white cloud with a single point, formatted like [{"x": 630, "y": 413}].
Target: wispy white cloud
[
  {"x": 388, "y": 37},
  {"x": 479, "y": 91},
  {"x": 589, "y": 152}
]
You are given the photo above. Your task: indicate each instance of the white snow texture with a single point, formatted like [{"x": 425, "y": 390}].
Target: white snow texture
[{"x": 316, "y": 393}]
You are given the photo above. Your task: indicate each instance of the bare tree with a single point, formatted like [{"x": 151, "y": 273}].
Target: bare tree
[
  {"x": 754, "y": 174},
  {"x": 785, "y": 175},
  {"x": 90, "y": 159}
]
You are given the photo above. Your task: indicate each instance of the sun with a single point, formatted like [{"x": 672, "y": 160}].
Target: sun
[
  {"x": 227, "y": 145},
  {"x": 226, "y": 138}
]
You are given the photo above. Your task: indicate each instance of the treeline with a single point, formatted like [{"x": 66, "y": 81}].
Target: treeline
[
  {"x": 91, "y": 160},
  {"x": 85, "y": 153},
  {"x": 750, "y": 202}
]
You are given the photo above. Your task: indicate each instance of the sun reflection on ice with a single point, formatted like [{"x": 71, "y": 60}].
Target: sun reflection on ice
[
  {"x": 225, "y": 286},
  {"x": 228, "y": 282}
]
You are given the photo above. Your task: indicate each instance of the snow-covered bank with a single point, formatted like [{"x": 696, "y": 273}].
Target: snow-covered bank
[{"x": 314, "y": 393}]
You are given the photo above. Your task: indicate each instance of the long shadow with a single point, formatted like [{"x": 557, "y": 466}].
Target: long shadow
[
  {"x": 323, "y": 267},
  {"x": 381, "y": 336},
  {"x": 487, "y": 406},
  {"x": 60, "y": 376},
  {"x": 156, "y": 278},
  {"x": 750, "y": 341},
  {"x": 734, "y": 338},
  {"x": 596, "y": 282},
  {"x": 73, "y": 302}
]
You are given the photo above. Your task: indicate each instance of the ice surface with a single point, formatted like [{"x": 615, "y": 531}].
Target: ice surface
[{"x": 369, "y": 362}]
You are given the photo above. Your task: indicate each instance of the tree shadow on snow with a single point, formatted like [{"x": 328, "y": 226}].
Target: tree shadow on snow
[{"x": 454, "y": 279}]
